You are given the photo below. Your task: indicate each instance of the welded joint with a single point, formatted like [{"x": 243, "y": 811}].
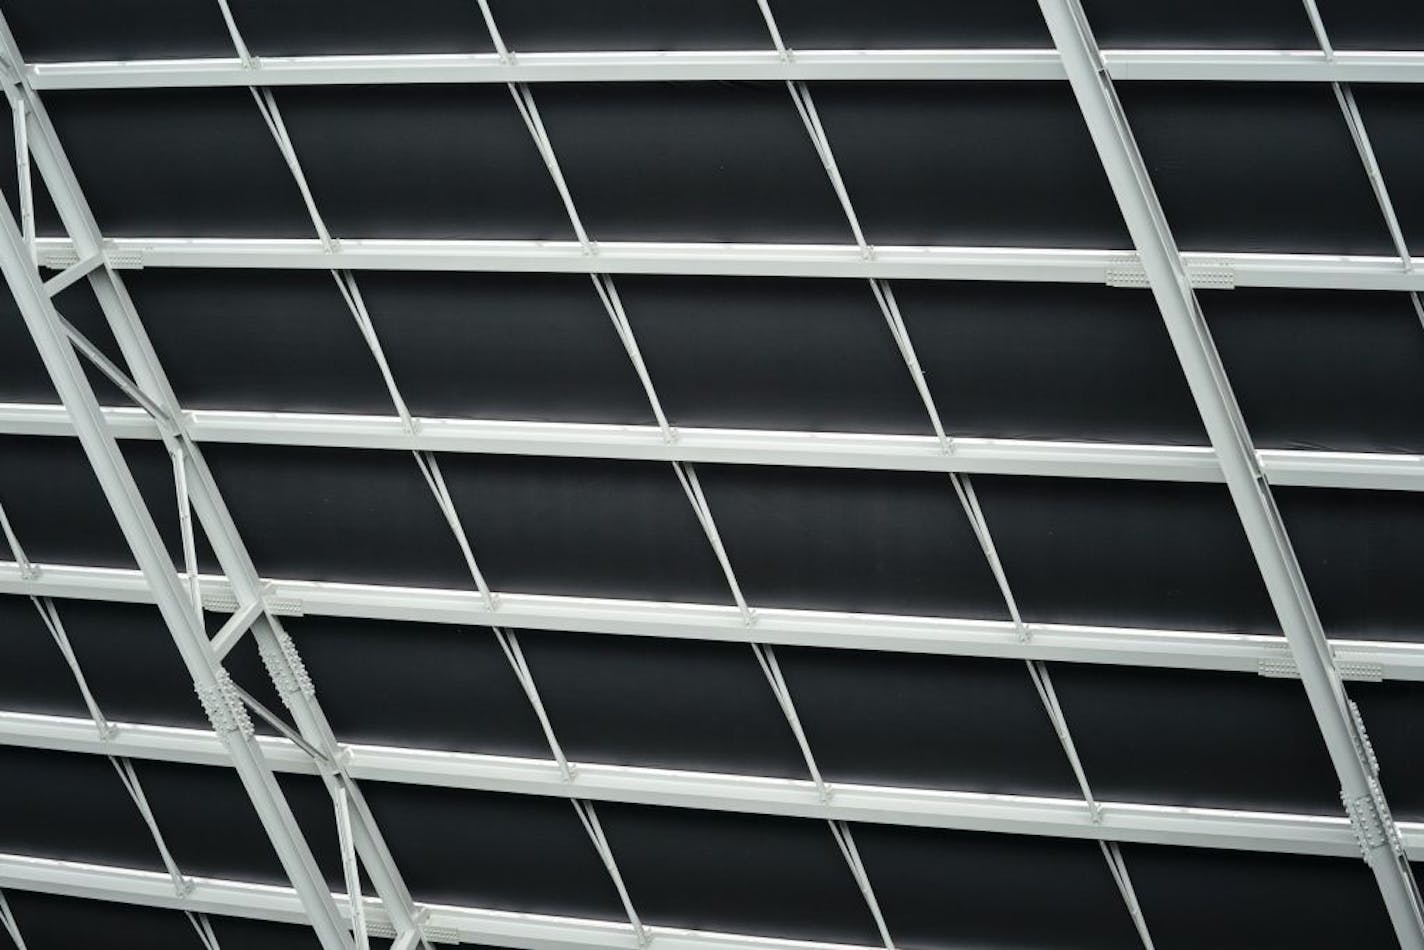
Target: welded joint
[
  {"x": 1372, "y": 822},
  {"x": 225, "y": 709}
]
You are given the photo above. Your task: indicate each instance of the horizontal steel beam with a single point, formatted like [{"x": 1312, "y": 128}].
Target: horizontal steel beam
[
  {"x": 900, "y": 453},
  {"x": 1051, "y": 265},
  {"x": 442, "y": 924},
  {"x": 1175, "y": 649},
  {"x": 710, "y": 66},
  {"x": 712, "y": 791}
]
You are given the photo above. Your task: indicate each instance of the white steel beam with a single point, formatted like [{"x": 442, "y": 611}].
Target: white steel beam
[
  {"x": 716, "y": 66},
  {"x": 1206, "y": 269},
  {"x": 900, "y": 453},
  {"x": 446, "y": 923},
  {"x": 1338, "y": 720},
  {"x": 713, "y": 791},
  {"x": 1248, "y": 653}
]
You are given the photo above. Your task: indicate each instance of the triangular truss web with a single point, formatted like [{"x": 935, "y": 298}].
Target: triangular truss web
[{"x": 771, "y": 472}]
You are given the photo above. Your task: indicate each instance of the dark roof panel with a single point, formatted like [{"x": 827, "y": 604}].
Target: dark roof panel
[
  {"x": 838, "y": 539},
  {"x": 690, "y": 161},
  {"x": 1393, "y": 116},
  {"x": 346, "y": 27},
  {"x": 926, "y": 721},
  {"x": 960, "y": 889},
  {"x": 273, "y": 341},
  {"x": 1255, "y": 167},
  {"x": 537, "y": 347},
  {"x": 751, "y": 874},
  {"x": 910, "y": 24},
  {"x": 48, "y": 920},
  {"x": 1131, "y": 554},
  {"x": 969, "y": 163},
  {"x": 1048, "y": 361},
  {"x": 177, "y": 163},
  {"x": 565, "y": 25},
  {"x": 1237, "y": 900},
  {"x": 1197, "y": 738},
  {"x": 772, "y": 354},
  {"x": 1247, "y": 24},
  {"x": 661, "y": 703},
  {"x": 1323, "y": 369},
  {"x": 422, "y": 161},
  {"x": 60, "y": 30}
]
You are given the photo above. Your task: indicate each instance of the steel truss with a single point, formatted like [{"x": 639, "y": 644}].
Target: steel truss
[
  {"x": 254, "y": 603},
  {"x": 181, "y": 603},
  {"x": 1338, "y": 718}
]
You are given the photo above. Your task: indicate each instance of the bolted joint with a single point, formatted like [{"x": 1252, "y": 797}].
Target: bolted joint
[
  {"x": 284, "y": 664},
  {"x": 225, "y": 709},
  {"x": 1363, "y": 747},
  {"x": 1373, "y": 824}
]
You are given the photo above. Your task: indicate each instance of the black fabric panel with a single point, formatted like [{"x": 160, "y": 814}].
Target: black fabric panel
[
  {"x": 679, "y": 704},
  {"x": 212, "y": 828},
  {"x": 1394, "y": 719},
  {"x": 49, "y": 921},
  {"x": 338, "y": 515},
  {"x": 910, "y": 24},
  {"x": 258, "y": 340},
  {"x": 131, "y": 663},
  {"x": 60, "y": 514},
  {"x": 1240, "y": 900},
  {"x": 1361, "y": 552},
  {"x": 33, "y": 675},
  {"x": 584, "y": 527},
  {"x": 1374, "y": 24},
  {"x": 135, "y": 671},
  {"x": 518, "y": 853},
  {"x": 71, "y": 806},
  {"x": 838, "y": 539},
  {"x": 969, "y": 163},
  {"x": 772, "y": 353},
  {"x": 177, "y": 163},
  {"x": 563, "y": 25},
  {"x": 59, "y": 30},
  {"x": 1166, "y": 24},
  {"x": 751, "y": 874},
  {"x": 534, "y": 347},
  {"x": 442, "y": 687},
  {"x": 1134, "y": 554},
  {"x": 1322, "y": 369},
  {"x": 1394, "y": 116},
  {"x": 926, "y": 721},
  {"x": 80, "y": 307},
  {"x": 960, "y": 889},
  {"x": 1227, "y": 740},
  {"x": 345, "y": 27},
  {"x": 1048, "y": 361},
  {"x": 422, "y": 161},
  {"x": 1255, "y": 167},
  {"x": 691, "y": 161},
  {"x": 240, "y": 933}
]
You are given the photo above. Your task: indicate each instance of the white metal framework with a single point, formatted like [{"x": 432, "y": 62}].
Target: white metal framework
[{"x": 255, "y": 604}]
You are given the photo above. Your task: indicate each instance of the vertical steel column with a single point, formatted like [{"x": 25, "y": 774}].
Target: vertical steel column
[{"x": 1336, "y": 716}]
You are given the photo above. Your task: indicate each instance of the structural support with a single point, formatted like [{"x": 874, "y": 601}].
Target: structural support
[
  {"x": 278, "y": 653},
  {"x": 1339, "y": 722},
  {"x": 183, "y": 622}
]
